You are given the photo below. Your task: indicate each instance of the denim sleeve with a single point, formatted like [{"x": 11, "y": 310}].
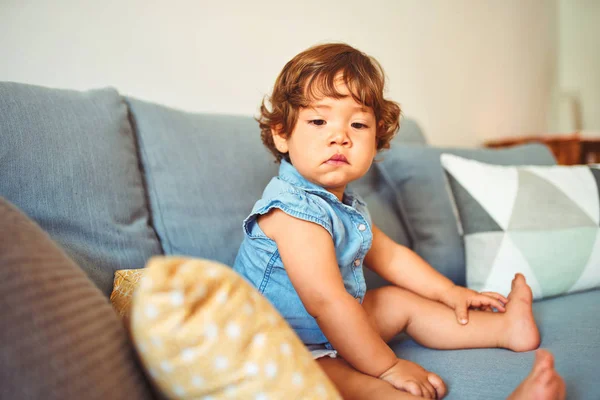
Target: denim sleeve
[{"x": 294, "y": 203}]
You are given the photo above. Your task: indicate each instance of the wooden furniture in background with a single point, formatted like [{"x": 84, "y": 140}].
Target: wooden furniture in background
[{"x": 567, "y": 149}]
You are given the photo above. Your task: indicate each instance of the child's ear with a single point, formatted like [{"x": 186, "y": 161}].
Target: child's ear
[{"x": 279, "y": 139}]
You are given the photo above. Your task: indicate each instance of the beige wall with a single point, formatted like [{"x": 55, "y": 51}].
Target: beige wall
[
  {"x": 465, "y": 69},
  {"x": 578, "y": 93}
]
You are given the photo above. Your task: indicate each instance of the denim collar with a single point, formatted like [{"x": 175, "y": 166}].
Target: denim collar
[{"x": 289, "y": 173}]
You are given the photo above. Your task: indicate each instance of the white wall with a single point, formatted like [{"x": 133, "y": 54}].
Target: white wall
[
  {"x": 467, "y": 70},
  {"x": 578, "y": 94}
]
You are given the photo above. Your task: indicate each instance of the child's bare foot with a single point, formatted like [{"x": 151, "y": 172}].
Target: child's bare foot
[
  {"x": 543, "y": 383},
  {"x": 522, "y": 333}
]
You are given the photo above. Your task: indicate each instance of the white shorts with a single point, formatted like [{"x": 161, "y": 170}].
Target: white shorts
[{"x": 320, "y": 350}]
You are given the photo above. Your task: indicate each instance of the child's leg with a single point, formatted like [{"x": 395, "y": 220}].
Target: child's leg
[
  {"x": 353, "y": 384},
  {"x": 434, "y": 325}
]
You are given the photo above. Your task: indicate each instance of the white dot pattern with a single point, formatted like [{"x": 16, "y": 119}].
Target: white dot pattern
[
  {"x": 197, "y": 381},
  {"x": 297, "y": 379},
  {"x": 156, "y": 341},
  {"x": 286, "y": 349},
  {"x": 233, "y": 330},
  {"x": 259, "y": 339},
  {"x": 177, "y": 298},
  {"x": 271, "y": 370},
  {"x": 151, "y": 311},
  {"x": 251, "y": 369},
  {"x": 166, "y": 366},
  {"x": 222, "y": 297},
  {"x": 200, "y": 336},
  {"x": 221, "y": 363},
  {"x": 188, "y": 355},
  {"x": 179, "y": 390},
  {"x": 211, "y": 331}
]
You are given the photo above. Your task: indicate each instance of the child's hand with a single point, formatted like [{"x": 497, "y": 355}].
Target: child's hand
[
  {"x": 460, "y": 299},
  {"x": 414, "y": 379}
]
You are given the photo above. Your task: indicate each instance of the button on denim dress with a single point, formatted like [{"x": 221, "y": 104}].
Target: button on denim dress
[{"x": 258, "y": 260}]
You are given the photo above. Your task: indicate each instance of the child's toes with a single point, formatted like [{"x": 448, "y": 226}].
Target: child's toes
[
  {"x": 544, "y": 360},
  {"x": 544, "y": 377},
  {"x": 438, "y": 384},
  {"x": 412, "y": 387}
]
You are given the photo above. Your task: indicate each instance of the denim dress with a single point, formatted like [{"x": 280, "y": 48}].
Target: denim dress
[{"x": 258, "y": 260}]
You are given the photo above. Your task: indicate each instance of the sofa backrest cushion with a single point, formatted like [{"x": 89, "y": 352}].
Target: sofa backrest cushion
[
  {"x": 68, "y": 160},
  {"x": 205, "y": 172},
  {"x": 379, "y": 194},
  {"x": 60, "y": 338}
]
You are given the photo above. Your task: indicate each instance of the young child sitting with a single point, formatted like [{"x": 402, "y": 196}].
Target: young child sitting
[{"x": 308, "y": 238}]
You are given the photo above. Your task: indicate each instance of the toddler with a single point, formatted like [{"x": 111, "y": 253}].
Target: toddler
[{"x": 308, "y": 238}]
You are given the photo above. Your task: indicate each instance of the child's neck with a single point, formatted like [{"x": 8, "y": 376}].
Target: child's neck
[{"x": 338, "y": 192}]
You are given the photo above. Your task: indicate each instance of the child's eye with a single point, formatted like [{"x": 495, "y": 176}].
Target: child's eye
[
  {"x": 317, "y": 122},
  {"x": 358, "y": 125}
]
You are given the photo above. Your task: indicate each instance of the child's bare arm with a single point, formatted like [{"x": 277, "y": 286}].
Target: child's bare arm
[
  {"x": 308, "y": 254},
  {"x": 404, "y": 268}
]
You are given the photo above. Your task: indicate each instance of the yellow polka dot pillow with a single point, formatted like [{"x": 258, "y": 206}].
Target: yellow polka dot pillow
[
  {"x": 202, "y": 332},
  {"x": 125, "y": 282}
]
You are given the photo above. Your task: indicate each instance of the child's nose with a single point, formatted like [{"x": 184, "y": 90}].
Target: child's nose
[{"x": 339, "y": 137}]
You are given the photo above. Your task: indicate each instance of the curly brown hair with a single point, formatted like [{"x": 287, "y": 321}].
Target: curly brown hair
[{"x": 311, "y": 75}]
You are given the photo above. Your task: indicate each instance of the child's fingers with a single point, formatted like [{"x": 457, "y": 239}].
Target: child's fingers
[
  {"x": 496, "y": 296},
  {"x": 461, "y": 312},
  {"x": 438, "y": 384},
  {"x": 483, "y": 300}
]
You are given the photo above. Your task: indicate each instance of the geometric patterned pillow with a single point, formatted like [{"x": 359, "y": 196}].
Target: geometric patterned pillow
[{"x": 540, "y": 221}]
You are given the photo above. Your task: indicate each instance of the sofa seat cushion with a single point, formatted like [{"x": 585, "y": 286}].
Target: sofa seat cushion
[
  {"x": 68, "y": 160},
  {"x": 59, "y": 337},
  {"x": 570, "y": 329}
]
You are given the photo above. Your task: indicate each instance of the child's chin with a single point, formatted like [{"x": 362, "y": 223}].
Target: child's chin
[{"x": 334, "y": 183}]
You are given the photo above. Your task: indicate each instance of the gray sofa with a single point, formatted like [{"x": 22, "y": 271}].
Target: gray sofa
[{"x": 114, "y": 180}]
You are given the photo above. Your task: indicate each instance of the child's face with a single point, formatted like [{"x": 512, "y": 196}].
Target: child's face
[{"x": 333, "y": 142}]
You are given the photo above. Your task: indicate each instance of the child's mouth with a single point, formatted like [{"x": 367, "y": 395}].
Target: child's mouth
[{"x": 337, "y": 159}]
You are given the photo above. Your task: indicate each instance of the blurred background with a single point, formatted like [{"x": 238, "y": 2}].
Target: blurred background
[{"x": 469, "y": 71}]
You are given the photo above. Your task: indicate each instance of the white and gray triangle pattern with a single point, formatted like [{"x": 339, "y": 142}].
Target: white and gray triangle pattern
[{"x": 543, "y": 222}]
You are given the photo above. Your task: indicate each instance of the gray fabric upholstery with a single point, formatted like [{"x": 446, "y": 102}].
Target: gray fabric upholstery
[
  {"x": 60, "y": 339},
  {"x": 195, "y": 146},
  {"x": 204, "y": 174},
  {"x": 424, "y": 202},
  {"x": 409, "y": 133},
  {"x": 570, "y": 329},
  {"x": 68, "y": 160},
  {"x": 379, "y": 195}
]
